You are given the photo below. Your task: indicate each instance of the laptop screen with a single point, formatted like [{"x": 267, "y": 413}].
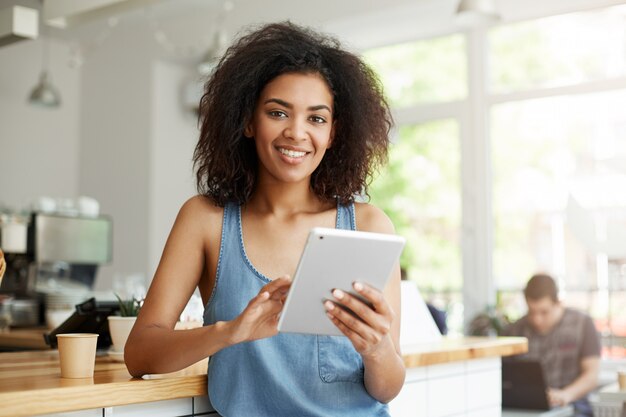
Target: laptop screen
[{"x": 523, "y": 385}]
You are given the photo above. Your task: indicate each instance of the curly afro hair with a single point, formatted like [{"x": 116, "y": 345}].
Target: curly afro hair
[{"x": 226, "y": 162}]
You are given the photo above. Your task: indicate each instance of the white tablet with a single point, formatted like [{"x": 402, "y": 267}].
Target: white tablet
[{"x": 335, "y": 258}]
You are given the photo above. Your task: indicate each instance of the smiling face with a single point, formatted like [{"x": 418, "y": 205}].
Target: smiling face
[{"x": 292, "y": 126}]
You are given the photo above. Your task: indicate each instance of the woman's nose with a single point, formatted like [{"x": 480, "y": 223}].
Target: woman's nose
[{"x": 296, "y": 129}]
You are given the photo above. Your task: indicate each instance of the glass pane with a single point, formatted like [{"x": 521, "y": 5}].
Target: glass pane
[
  {"x": 511, "y": 304},
  {"x": 559, "y": 167},
  {"x": 560, "y": 50},
  {"x": 419, "y": 190},
  {"x": 432, "y": 70}
]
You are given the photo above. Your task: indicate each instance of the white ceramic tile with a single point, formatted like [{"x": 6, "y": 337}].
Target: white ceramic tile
[
  {"x": 411, "y": 402},
  {"x": 168, "y": 408},
  {"x": 446, "y": 396},
  {"x": 445, "y": 369},
  {"x": 483, "y": 364},
  {"x": 484, "y": 389},
  {"x": 486, "y": 412},
  {"x": 415, "y": 374}
]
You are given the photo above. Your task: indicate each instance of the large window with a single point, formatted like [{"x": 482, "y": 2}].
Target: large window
[
  {"x": 559, "y": 161},
  {"x": 559, "y": 175},
  {"x": 420, "y": 191},
  {"x": 431, "y": 70},
  {"x": 551, "y": 111},
  {"x": 420, "y": 188},
  {"x": 558, "y": 51}
]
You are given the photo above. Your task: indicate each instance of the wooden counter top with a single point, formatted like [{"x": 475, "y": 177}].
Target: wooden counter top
[
  {"x": 462, "y": 349},
  {"x": 30, "y": 382}
]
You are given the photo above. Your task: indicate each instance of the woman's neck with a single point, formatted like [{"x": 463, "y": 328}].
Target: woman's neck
[{"x": 285, "y": 199}]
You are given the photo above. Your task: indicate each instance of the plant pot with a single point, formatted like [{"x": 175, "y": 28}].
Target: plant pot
[{"x": 120, "y": 328}]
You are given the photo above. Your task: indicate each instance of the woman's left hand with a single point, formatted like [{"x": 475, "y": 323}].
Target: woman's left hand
[{"x": 369, "y": 332}]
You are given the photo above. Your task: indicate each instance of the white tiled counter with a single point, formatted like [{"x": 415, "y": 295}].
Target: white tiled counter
[{"x": 455, "y": 378}]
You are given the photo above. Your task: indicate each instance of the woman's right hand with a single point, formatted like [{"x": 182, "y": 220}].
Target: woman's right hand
[{"x": 260, "y": 318}]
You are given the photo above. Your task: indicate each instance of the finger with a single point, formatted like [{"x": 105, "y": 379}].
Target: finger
[
  {"x": 357, "y": 341},
  {"x": 261, "y": 305},
  {"x": 373, "y": 295},
  {"x": 353, "y": 323},
  {"x": 283, "y": 282},
  {"x": 260, "y": 297},
  {"x": 376, "y": 320}
]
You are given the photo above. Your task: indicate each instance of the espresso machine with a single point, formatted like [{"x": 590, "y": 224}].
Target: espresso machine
[{"x": 50, "y": 256}]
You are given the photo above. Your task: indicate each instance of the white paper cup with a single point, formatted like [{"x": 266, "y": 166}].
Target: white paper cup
[{"x": 77, "y": 354}]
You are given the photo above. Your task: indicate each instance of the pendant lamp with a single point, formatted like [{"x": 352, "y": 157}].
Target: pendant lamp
[
  {"x": 473, "y": 13},
  {"x": 44, "y": 94}
]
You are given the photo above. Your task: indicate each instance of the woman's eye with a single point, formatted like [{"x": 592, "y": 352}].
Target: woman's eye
[
  {"x": 277, "y": 113},
  {"x": 317, "y": 119}
]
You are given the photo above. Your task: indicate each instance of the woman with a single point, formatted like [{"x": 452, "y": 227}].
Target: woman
[{"x": 292, "y": 126}]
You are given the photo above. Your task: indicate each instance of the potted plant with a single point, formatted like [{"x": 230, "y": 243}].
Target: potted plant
[
  {"x": 490, "y": 322},
  {"x": 120, "y": 326}
]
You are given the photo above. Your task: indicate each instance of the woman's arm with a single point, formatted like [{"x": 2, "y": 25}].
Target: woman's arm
[
  {"x": 153, "y": 346},
  {"x": 376, "y": 336}
]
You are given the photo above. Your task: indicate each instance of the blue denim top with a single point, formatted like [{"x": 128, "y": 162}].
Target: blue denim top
[{"x": 288, "y": 374}]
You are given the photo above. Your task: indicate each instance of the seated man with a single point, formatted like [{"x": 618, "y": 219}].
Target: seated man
[{"x": 565, "y": 341}]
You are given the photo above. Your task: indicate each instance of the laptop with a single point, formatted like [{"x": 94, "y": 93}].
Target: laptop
[{"x": 523, "y": 385}]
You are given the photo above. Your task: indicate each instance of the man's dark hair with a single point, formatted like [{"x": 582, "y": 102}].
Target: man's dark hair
[
  {"x": 540, "y": 286},
  {"x": 225, "y": 160}
]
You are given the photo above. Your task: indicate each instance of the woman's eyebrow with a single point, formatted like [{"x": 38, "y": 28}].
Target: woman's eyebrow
[{"x": 290, "y": 106}]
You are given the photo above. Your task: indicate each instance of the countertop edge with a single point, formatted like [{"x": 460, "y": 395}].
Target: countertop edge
[
  {"x": 435, "y": 354},
  {"x": 133, "y": 391}
]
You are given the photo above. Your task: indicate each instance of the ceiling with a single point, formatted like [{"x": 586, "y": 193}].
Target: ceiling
[{"x": 188, "y": 26}]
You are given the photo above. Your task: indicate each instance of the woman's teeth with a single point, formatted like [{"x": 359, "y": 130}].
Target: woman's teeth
[{"x": 291, "y": 154}]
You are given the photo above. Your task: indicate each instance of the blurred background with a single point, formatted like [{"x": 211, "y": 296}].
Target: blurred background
[{"x": 509, "y": 153}]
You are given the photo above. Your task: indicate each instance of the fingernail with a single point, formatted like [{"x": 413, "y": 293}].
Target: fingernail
[
  {"x": 329, "y": 305},
  {"x": 338, "y": 294},
  {"x": 358, "y": 286}
]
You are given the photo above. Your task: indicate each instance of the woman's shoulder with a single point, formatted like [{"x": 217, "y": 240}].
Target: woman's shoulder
[
  {"x": 370, "y": 218},
  {"x": 200, "y": 210}
]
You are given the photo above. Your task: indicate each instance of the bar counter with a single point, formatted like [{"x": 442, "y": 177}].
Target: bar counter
[{"x": 30, "y": 382}]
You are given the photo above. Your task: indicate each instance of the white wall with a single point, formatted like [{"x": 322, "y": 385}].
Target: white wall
[
  {"x": 174, "y": 136},
  {"x": 115, "y": 147},
  {"x": 120, "y": 136},
  {"x": 136, "y": 149},
  {"x": 39, "y": 148}
]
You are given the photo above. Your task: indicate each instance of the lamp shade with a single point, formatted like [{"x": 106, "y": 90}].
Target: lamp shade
[
  {"x": 44, "y": 94},
  {"x": 472, "y": 13}
]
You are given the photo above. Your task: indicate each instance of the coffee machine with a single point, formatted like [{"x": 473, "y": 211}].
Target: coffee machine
[{"x": 50, "y": 254}]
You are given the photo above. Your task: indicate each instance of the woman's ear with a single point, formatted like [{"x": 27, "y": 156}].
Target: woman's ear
[
  {"x": 331, "y": 136},
  {"x": 248, "y": 131}
]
